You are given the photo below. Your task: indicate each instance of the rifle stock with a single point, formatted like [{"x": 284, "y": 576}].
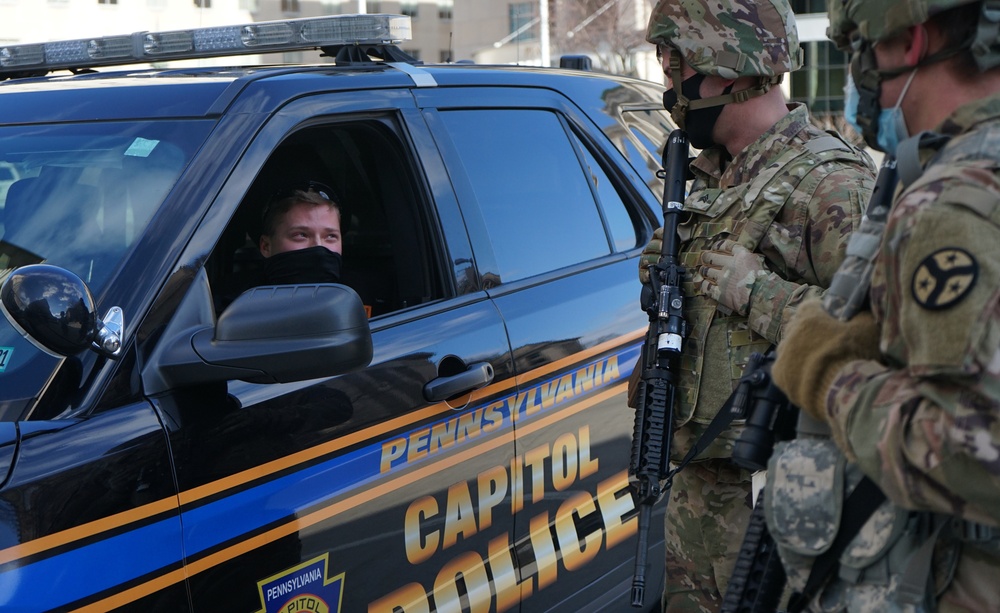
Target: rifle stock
[{"x": 663, "y": 301}]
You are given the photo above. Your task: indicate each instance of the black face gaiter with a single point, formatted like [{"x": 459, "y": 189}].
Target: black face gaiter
[
  {"x": 698, "y": 123},
  {"x": 313, "y": 265}
]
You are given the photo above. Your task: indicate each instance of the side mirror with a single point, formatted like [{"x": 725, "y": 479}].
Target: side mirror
[
  {"x": 53, "y": 308},
  {"x": 273, "y": 334}
]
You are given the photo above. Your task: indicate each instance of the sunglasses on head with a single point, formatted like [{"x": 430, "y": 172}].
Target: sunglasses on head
[
  {"x": 288, "y": 191},
  {"x": 308, "y": 186}
]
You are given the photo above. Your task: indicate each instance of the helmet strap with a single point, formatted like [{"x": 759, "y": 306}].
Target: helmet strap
[
  {"x": 685, "y": 104},
  {"x": 679, "y": 112},
  {"x": 764, "y": 85},
  {"x": 868, "y": 81}
]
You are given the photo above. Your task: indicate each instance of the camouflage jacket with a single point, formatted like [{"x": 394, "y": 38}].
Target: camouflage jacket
[
  {"x": 794, "y": 196},
  {"x": 925, "y": 423}
]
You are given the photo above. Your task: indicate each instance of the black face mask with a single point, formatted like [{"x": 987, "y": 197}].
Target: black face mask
[
  {"x": 313, "y": 265},
  {"x": 698, "y": 123}
]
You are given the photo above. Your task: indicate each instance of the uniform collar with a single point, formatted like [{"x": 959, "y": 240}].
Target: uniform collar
[{"x": 967, "y": 116}]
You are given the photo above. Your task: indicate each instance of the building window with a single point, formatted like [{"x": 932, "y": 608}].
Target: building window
[
  {"x": 414, "y": 53},
  {"x": 205, "y": 4},
  {"x": 444, "y": 9},
  {"x": 820, "y": 81},
  {"x": 107, "y": 1},
  {"x": 802, "y": 7},
  {"x": 521, "y": 16},
  {"x": 290, "y": 6},
  {"x": 444, "y": 56},
  {"x": 408, "y": 8},
  {"x": 250, "y": 5},
  {"x": 373, "y": 7}
]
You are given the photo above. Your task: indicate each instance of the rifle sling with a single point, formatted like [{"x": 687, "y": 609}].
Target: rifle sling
[
  {"x": 859, "y": 506},
  {"x": 717, "y": 426}
]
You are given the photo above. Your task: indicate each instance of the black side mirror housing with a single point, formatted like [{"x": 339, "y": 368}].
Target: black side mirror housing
[
  {"x": 273, "y": 334},
  {"x": 51, "y": 307}
]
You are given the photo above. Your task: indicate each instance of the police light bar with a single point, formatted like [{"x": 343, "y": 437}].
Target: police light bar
[{"x": 251, "y": 38}]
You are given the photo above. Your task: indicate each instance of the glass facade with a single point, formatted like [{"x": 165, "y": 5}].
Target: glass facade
[
  {"x": 520, "y": 14},
  {"x": 820, "y": 82}
]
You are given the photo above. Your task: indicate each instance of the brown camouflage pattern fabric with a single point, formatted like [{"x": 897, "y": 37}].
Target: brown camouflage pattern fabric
[
  {"x": 879, "y": 19},
  {"x": 924, "y": 423},
  {"x": 794, "y": 207},
  {"x": 729, "y": 38},
  {"x": 794, "y": 196},
  {"x": 709, "y": 511}
]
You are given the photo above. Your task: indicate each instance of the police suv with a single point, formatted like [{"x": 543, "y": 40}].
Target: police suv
[{"x": 444, "y": 430}]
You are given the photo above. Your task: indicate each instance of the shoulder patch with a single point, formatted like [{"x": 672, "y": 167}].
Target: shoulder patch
[{"x": 944, "y": 278}]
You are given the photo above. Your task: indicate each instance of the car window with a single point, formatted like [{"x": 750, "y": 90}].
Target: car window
[
  {"x": 84, "y": 195},
  {"x": 619, "y": 223},
  {"x": 535, "y": 198},
  {"x": 387, "y": 254}
]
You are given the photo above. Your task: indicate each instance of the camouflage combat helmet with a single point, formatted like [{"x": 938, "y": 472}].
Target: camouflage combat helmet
[
  {"x": 729, "y": 38},
  {"x": 875, "y": 20}
]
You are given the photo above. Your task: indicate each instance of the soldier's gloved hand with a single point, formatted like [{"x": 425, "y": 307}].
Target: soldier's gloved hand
[
  {"x": 650, "y": 255},
  {"x": 814, "y": 348},
  {"x": 729, "y": 273}
]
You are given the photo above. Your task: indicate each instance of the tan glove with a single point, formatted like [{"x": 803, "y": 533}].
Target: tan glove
[
  {"x": 728, "y": 275},
  {"x": 650, "y": 255},
  {"x": 814, "y": 348}
]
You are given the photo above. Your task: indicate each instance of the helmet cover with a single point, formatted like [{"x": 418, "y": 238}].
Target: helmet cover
[
  {"x": 875, "y": 20},
  {"x": 729, "y": 38}
]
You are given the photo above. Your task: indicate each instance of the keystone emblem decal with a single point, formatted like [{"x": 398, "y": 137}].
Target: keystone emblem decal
[{"x": 303, "y": 589}]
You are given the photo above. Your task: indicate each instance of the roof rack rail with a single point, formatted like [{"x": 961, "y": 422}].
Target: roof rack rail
[{"x": 81, "y": 55}]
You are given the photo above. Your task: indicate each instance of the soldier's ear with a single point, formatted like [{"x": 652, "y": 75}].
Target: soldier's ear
[{"x": 918, "y": 42}]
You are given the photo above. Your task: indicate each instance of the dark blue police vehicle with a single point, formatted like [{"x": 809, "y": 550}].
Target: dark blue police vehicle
[{"x": 445, "y": 430}]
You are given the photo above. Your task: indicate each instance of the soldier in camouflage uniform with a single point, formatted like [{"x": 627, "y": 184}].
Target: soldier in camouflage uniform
[
  {"x": 770, "y": 208},
  {"x": 910, "y": 387}
]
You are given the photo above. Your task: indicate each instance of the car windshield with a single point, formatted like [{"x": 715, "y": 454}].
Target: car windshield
[{"x": 77, "y": 196}]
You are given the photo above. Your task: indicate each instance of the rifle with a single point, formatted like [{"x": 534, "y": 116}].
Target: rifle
[
  {"x": 758, "y": 579},
  {"x": 663, "y": 300}
]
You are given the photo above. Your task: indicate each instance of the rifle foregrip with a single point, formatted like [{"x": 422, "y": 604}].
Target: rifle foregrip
[
  {"x": 758, "y": 579},
  {"x": 648, "y": 438}
]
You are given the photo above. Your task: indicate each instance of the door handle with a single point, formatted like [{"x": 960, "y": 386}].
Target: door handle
[{"x": 476, "y": 376}]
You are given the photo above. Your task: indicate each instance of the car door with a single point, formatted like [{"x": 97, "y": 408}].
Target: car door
[
  {"x": 557, "y": 229},
  {"x": 385, "y": 487},
  {"x": 83, "y": 490}
]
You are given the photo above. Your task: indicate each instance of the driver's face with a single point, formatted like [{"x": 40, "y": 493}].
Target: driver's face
[{"x": 304, "y": 225}]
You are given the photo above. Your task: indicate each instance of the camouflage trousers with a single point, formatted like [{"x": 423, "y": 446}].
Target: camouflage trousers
[{"x": 707, "y": 515}]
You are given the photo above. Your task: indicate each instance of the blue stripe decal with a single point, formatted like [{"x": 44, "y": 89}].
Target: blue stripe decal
[{"x": 79, "y": 573}]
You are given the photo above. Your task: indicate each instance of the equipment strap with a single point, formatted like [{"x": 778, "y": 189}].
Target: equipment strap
[
  {"x": 734, "y": 408},
  {"x": 859, "y": 506},
  {"x": 908, "y": 155}
]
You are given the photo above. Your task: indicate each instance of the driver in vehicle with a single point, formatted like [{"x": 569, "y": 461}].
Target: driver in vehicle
[{"x": 301, "y": 239}]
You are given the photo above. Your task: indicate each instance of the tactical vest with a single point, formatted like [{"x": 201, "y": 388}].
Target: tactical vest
[
  {"x": 900, "y": 560},
  {"x": 718, "y": 346}
]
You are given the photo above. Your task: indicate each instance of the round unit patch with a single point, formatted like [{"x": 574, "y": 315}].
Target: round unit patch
[{"x": 944, "y": 278}]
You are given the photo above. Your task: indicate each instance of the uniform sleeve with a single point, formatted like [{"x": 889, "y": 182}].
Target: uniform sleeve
[
  {"x": 808, "y": 241},
  {"x": 925, "y": 422}
]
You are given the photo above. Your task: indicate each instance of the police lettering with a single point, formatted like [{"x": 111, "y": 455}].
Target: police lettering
[
  {"x": 569, "y": 460},
  {"x": 469, "y": 507},
  {"x": 425, "y": 442}
]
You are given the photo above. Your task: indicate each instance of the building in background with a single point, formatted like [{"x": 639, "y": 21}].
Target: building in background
[
  {"x": 531, "y": 33},
  {"x": 33, "y": 21}
]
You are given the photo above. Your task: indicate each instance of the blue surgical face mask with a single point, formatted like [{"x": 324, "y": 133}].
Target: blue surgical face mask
[{"x": 892, "y": 128}]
